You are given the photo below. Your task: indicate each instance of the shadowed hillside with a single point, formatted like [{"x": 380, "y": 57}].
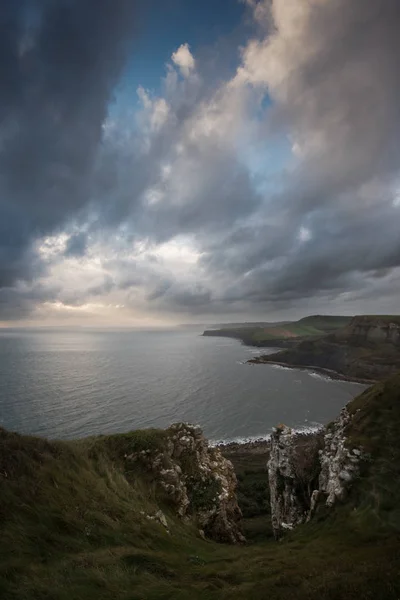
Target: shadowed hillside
[
  {"x": 366, "y": 348},
  {"x": 79, "y": 521},
  {"x": 282, "y": 334}
]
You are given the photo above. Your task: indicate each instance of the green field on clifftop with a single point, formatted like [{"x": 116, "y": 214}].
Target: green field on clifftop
[
  {"x": 73, "y": 528},
  {"x": 308, "y": 327}
]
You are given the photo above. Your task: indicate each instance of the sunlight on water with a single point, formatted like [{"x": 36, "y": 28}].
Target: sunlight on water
[{"x": 69, "y": 384}]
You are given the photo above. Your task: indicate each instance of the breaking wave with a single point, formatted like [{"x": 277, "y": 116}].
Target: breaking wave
[{"x": 254, "y": 439}]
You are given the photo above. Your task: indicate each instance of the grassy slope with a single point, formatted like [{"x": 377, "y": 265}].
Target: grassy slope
[
  {"x": 71, "y": 527},
  {"x": 313, "y": 326},
  {"x": 252, "y": 492},
  {"x": 346, "y": 352}
]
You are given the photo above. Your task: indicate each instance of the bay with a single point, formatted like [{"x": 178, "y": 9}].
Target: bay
[{"x": 72, "y": 383}]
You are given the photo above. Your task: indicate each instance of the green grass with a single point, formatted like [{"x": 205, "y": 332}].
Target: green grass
[
  {"x": 325, "y": 323},
  {"x": 351, "y": 350},
  {"x": 313, "y": 326},
  {"x": 72, "y": 526},
  {"x": 252, "y": 492}
]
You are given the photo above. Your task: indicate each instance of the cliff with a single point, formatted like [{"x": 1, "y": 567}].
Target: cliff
[
  {"x": 293, "y": 470},
  {"x": 283, "y": 334},
  {"x": 351, "y": 463},
  {"x": 196, "y": 480},
  {"x": 126, "y": 516},
  {"x": 368, "y": 348}
]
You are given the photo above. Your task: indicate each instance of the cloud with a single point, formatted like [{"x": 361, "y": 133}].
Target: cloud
[
  {"x": 329, "y": 69},
  {"x": 60, "y": 62},
  {"x": 184, "y": 59},
  {"x": 76, "y": 245},
  {"x": 270, "y": 192}
]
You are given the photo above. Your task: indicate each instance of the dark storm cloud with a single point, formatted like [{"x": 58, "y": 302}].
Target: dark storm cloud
[
  {"x": 176, "y": 296},
  {"x": 330, "y": 227},
  {"x": 59, "y": 61},
  {"x": 338, "y": 95},
  {"x": 336, "y": 221},
  {"x": 346, "y": 95},
  {"x": 17, "y": 303},
  {"x": 103, "y": 288},
  {"x": 76, "y": 245},
  {"x": 209, "y": 188},
  {"x": 59, "y": 160}
]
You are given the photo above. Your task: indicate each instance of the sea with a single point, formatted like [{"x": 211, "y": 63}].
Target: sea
[{"x": 66, "y": 384}]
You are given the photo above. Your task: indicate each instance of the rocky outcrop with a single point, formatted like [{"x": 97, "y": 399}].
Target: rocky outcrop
[
  {"x": 306, "y": 470},
  {"x": 196, "y": 480},
  {"x": 293, "y": 469},
  {"x": 339, "y": 464}
]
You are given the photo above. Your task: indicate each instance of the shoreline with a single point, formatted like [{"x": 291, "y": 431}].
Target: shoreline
[
  {"x": 328, "y": 372},
  {"x": 260, "y": 446},
  {"x": 278, "y": 344}
]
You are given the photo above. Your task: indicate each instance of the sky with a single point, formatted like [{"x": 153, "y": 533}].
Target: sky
[{"x": 194, "y": 161}]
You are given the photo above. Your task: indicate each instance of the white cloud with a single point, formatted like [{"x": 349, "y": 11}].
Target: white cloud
[
  {"x": 184, "y": 59},
  {"x": 156, "y": 110},
  {"x": 210, "y": 218},
  {"x": 304, "y": 234}
]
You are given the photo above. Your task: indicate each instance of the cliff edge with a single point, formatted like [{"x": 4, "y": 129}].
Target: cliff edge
[
  {"x": 352, "y": 463},
  {"x": 143, "y": 514},
  {"x": 368, "y": 348}
]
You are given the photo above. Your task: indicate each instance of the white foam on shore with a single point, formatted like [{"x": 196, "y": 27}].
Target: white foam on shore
[
  {"x": 320, "y": 376},
  {"x": 241, "y": 440},
  {"x": 280, "y": 367},
  {"x": 252, "y": 439}
]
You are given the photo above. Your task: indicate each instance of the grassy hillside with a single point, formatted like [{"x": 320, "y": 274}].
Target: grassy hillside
[
  {"x": 368, "y": 347},
  {"x": 74, "y": 526},
  {"x": 283, "y": 334}
]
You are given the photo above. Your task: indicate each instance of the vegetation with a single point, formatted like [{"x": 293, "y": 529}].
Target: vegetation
[
  {"x": 366, "y": 348},
  {"x": 74, "y": 527},
  {"x": 253, "y": 491},
  {"x": 202, "y": 493},
  {"x": 376, "y": 427},
  {"x": 283, "y": 334}
]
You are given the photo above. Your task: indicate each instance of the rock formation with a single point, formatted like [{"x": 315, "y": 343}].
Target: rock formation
[
  {"x": 339, "y": 465},
  {"x": 293, "y": 469},
  {"x": 197, "y": 480},
  {"x": 306, "y": 470}
]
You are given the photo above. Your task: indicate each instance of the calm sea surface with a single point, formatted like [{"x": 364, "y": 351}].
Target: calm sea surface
[{"x": 68, "y": 384}]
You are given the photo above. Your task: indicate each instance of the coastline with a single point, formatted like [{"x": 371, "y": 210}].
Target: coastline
[
  {"x": 260, "y": 446},
  {"x": 278, "y": 344},
  {"x": 328, "y": 372},
  {"x": 257, "y": 360}
]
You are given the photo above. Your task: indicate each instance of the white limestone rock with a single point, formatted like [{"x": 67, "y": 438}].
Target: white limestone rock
[
  {"x": 339, "y": 465},
  {"x": 199, "y": 481}
]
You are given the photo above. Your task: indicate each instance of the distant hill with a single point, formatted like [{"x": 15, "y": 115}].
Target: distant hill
[
  {"x": 283, "y": 333},
  {"x": 250, "y": 324},
  {"x": 234, "y": 326},
  {"x": 368, "y": 347}
]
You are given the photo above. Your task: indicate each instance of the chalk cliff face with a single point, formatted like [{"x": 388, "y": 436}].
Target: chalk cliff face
[
  {"x": 306, "y": 470},
  {"x": 199, "y": 483}
]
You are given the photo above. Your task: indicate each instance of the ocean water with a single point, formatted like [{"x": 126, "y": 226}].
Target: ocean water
[{"x": 68, "y": 384}]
